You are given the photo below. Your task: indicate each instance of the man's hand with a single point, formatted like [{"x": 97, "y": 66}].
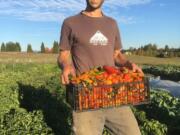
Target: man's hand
[
  {"x": 66, "y": 65},
  {"x": 135, "y": 68},
  {"x": 120, "y": 60},
  {"x": 66, "y": 72}
]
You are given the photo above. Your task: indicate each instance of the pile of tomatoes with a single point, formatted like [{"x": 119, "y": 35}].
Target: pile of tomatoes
[{"x": 108, "y": 86}]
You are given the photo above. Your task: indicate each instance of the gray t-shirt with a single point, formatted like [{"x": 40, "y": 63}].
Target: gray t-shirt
[{"x": 91, "y": 40}]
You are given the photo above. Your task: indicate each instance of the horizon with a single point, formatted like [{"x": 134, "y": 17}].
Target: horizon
[
  {"x": 140, "y": 21},
  {"x": 51, "y": 47}
]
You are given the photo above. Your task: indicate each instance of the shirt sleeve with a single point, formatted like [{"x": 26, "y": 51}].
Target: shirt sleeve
[
  {"x": 65, "y": 38},
  {"x": 118, "y": 43}
]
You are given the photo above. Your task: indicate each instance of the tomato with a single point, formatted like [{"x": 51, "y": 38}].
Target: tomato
[
  {"x": 80, "y": 101},
  {"x": 142, "y": 98},
  {"x": 105, "y": 74},
  {"x": 141, "y": 85},
  {"x": 110, "y": 69},
  {"x": 108, "y": 82},
  {"x": 126, "y": 77}
]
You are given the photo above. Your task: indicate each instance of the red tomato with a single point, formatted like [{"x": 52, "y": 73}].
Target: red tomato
[
  {"x": 126, "y": 77},
  {"x": 110, "y": 69}
]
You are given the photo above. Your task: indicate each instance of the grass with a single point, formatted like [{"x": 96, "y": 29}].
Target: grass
[
  {"x": 13, "y": 57},
  {"x": 154, "y": 60}
]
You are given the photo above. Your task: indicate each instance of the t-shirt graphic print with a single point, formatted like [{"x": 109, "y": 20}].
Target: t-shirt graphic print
[{"x": 98, "y": 39}]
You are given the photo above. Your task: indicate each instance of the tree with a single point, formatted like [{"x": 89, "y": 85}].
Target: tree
[
  {"x": 55, "y": 48},
  {"x": 166, "y": 48},
  {"x": 18, "y": 47},
  {"x": 42, "y": 48},
  {"x": 154, "y": 47},
  {"x": 10, "y": 47},
  {"x": 29, "y": 48},
  {"x": 3, "y": 47},
  {"x": 13, "y": 47}
]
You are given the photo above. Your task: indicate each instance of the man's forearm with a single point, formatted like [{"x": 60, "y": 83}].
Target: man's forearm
[
  {"x": 120, "y": 59},
  {"x": 64, "y": 59}
]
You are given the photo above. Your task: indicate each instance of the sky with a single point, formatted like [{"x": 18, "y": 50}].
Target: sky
[{"x": 140, "y": 21}]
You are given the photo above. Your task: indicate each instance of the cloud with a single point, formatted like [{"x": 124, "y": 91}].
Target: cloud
[
  {"x": 57, "y": 10},
  {"x": 127, "y": 20},
  {"x": 162, "y": 4},
  {"x": 39, "y": 10},
  {"x": 126, "y": 3}
]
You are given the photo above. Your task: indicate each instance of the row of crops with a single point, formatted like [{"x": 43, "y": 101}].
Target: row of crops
[
  {"x": 32, "y": 101},
  {"x": 169, "y": 72}
]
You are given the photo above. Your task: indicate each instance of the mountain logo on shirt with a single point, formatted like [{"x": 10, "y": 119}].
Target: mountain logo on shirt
[{"x": 98, "y": 39}]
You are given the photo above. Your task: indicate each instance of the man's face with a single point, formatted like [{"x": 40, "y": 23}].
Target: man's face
[{"x": 94, "y": 4}]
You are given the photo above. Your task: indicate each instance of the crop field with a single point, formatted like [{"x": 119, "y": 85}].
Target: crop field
[
  {"x": 32, "y": 99},
  {"x": 15, "y": 57}
]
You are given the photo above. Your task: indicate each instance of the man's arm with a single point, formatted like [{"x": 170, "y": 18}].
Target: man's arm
[
  {"x": 121, "y": 60},
  {"x": 64, "y": 59},
  {"x": 66, "y": 65}
]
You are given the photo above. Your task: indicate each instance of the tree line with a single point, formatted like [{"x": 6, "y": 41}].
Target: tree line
[
  {"x": 10, "y": 47},
  {"x": 153, "y": 50},
  {"x": 16, "y": 47},
  {"x": 146, "y": 50}
]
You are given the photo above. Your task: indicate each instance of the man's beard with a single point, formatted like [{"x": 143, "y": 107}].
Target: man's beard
[{"x": 94, "y": 8}]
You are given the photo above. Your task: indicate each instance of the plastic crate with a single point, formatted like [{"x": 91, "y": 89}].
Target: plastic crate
[{"x": 83, "y": 98}]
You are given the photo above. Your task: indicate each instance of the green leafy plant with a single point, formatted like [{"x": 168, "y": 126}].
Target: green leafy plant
[
  {"x": 19, "y": 121},
  {"x": 32, "y": 101}
]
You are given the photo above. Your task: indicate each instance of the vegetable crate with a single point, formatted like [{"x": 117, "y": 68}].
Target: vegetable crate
[{"x": 84, "y": 98}]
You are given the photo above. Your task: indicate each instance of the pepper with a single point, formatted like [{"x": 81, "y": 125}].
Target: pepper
[{"x": 111, "y": 70}]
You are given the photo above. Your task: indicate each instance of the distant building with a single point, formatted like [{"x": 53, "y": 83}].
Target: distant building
[
  {"x": 128, "y": 53},
  {"x": 48, "y": 50}
]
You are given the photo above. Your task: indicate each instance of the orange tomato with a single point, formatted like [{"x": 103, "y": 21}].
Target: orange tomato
[{"x": 108, "y": 82}]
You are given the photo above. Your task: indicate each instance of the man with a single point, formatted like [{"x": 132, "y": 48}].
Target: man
[{"x": 91, "y": 39}]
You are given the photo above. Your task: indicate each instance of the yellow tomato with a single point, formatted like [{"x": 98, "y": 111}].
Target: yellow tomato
[{"x": 108, "y": 82}]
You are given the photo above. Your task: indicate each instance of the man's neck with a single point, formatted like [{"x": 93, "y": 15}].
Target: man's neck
[{"x": 93, "y": 13}]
